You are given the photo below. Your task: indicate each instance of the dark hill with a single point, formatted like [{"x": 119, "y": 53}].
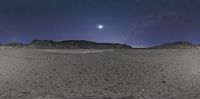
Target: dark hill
[
  {"x": 75, "y": 44},
  {"x": 177, "y": 45},
  {"x": 13, "y": 45}
]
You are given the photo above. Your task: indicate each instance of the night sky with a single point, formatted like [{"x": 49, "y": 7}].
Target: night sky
[{"x": 135, "y": 22}]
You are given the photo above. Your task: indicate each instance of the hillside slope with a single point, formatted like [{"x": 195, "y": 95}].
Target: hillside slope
[{"x": 177, "y": 45}]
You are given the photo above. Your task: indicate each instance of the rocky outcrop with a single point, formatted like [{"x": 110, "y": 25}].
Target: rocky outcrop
[{"x": 42, "y": 44}]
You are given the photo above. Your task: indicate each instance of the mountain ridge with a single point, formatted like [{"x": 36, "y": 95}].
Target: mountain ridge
[
  {"x": 84, "y": 44},
  {"x": 66, "y": 44},
  {"x": 176, "y": 45}
]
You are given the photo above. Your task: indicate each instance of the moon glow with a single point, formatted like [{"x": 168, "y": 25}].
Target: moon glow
[{"x": 100, "y": 27}]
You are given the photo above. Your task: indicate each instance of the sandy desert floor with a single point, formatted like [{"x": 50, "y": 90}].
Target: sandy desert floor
[{"x": 101, "y": 74}]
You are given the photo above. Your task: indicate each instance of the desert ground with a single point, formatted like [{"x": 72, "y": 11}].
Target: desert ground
[{"x": 100, "y": 74}]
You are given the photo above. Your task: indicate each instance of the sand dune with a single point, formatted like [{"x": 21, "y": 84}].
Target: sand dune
[{"x": 116, "y": 74}]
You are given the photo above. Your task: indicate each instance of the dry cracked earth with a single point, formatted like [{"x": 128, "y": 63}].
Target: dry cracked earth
[{"x": 107, "y": 74}]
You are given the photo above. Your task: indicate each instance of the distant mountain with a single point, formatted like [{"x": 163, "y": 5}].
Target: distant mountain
[
  {"x": 69, "y": 44},
  {"x": 13, "y": 45},
  {"x": 177, "y": 45},
  {"x": 83, "y": 44},
  {"x": 75, "y": 44}
]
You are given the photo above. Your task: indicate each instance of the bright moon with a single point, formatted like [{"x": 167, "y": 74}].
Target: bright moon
[{"x": 100, "y": 26}]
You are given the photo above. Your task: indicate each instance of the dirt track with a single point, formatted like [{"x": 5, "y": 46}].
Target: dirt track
[{"x": 118, "y": 74}]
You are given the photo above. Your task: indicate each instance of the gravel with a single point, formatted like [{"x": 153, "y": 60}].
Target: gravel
[{"x": 110, "y": 74}]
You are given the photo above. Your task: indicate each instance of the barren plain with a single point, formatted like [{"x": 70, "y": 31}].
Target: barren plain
[{"x": 100, "y": 74}]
